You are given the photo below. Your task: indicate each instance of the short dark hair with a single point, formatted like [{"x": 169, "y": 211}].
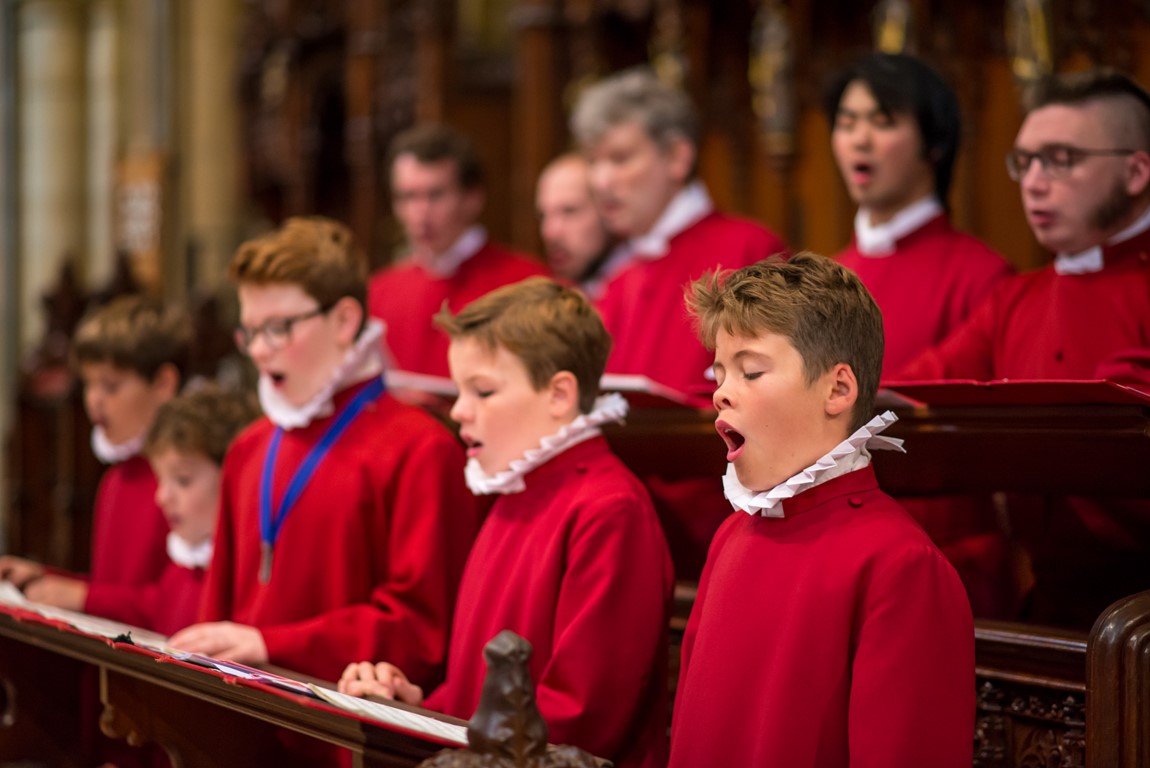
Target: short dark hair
[
  {"x": 434, "y": 143},
  {"x": 901, "y": 83},
  {"x": 1077, "y": 88}
]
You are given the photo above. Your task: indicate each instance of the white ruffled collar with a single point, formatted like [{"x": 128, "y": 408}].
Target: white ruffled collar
[
  {"x": 114, "y": 453},
  {"x": 363, "y": 361},
  {"x": 882, "y": 239},
  {"x": 1091, "y": 260},
  {"x": 608, "y": 408},
  {"x": 446, "y": 264},
  {"x": 687, "y": 207},
  {"x": 849, "y": 455},
  {"x": 188, "y": 555}
]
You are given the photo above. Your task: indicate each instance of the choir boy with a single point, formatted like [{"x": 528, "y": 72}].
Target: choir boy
[
  {"x": 828, "y": 631},
  {"x": 130, "y": 356},
  {"x": 344, "y": 522},
  {"x": 571, "y": 556}
]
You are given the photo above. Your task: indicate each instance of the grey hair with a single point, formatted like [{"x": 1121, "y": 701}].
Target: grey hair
[{"x": 665, "y": 113}]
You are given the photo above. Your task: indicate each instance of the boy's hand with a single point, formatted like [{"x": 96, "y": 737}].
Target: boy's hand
[
  {"x": 60, "y": 591},
  {"x": 223, "y": 640},
  {"x": 382, "y": 679},
  {"x": 19, "y": 571}
]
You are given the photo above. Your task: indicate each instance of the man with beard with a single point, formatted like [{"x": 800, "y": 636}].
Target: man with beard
[{"x": 1082, "y": 160}]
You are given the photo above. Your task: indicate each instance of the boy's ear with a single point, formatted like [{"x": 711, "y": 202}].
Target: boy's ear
[
  {"x": 844, "y": 390},
  {"x": 167, "y": 382},
  {"x": 348, "y": 315},
  {"x": 564, "y": 388}
]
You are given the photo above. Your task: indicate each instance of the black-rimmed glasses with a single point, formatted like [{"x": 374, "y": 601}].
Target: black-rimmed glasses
[
  {"x": 276, "y": 331},
  {"x": 1055, "y": 161}
]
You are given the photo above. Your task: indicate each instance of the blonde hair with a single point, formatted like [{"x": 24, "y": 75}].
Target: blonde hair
[
  {"x": 818, "y": 305},
  {"x": 549, "y": 327},
  {"x": 316, "y": 253},
  {"x": 204, "y": 420},
  {"x": 135, "y": 333}
]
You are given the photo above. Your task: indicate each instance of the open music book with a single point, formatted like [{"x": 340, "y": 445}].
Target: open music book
[{"x": 391, "y": 715}]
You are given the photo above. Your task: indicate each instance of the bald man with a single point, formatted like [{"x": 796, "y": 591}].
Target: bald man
[{"x": 576, "y": 242}]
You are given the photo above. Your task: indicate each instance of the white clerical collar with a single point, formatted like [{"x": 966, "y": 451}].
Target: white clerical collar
[
  {"x": 882, "y": 239},
  {"x": 1091, "y": 260},
  {"x": 849, "y": 455},
  {"x": 189, "y": 555},
  {"x": 608, "y": 408},
  {"x": 688, "y": 206},
  {"x": 363, "y": 361},
  {"x": 446, "y": 264},
  {"x": 113, "y": 453}
]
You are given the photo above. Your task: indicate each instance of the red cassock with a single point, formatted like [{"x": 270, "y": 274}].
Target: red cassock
[
  {"x": 934, "y": 279},
  {"x": 407, "y": 296},
  {"x": 576, "y": 564},
  {"x": 926, "y": 288},
  {"x": 1043, "y": 325},
  {"x": 129, "y": 537},
  {"x": 836, "y": 636},
  {"x": 367, "y": 562},
  {"x": 642, "y": 306},
  {"x": 167, "y": 605}
]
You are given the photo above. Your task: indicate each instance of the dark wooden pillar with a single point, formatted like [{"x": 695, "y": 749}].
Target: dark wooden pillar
[{"x": 538, "y": 128}]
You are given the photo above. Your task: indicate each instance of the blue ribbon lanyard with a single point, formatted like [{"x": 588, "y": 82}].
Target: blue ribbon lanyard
[{"x": 270, "y": 526}]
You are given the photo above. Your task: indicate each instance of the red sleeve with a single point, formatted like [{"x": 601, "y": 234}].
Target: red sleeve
[
  {"x": 133, "y": 604},
  {"x": 617, "y": 584},
  {"x": 912, "y": 699},
  {"x": 427, "y": 523},
  {"x": 219, "y": 586},
  {"x": 967, "y": 353}
]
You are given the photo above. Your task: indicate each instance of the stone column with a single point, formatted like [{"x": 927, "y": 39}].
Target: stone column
[
  {"x": 210, "y": 140},
  {"x": 50, "y": 124},
  {"x": 102, "y": 96}
]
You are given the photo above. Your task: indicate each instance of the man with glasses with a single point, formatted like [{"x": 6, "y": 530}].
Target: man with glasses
[
  {"x": 437, "y": 194},
  {"x": 1082, "y": 161}
]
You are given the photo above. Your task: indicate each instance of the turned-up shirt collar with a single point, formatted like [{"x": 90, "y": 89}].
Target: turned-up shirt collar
[
  {"x": 690, "y": 205},
  {"x": 849, "y": 455},
  {"x": 446, "y": 264},
  {"x": 608, "y": 408},
  {"x": 1092, "y": 259},
  {"x": 363, "y": 361},
  {"x": 882, "y": 239}
]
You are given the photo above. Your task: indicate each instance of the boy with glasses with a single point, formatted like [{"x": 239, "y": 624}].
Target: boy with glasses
[
  {"x": 344, "y": 521},
  {"x": 1082, "y": 160}
]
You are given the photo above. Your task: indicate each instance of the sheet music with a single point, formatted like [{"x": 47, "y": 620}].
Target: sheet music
[
  {"x": 412, "y": 721},
  {"x": 92, "y": 625}
]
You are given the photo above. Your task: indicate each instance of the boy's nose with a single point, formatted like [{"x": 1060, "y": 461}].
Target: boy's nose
[{"x": 721, "y": 399}]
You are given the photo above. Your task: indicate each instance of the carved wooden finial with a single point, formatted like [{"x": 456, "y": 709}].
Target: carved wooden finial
[{"x": 507, "y": 730}]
